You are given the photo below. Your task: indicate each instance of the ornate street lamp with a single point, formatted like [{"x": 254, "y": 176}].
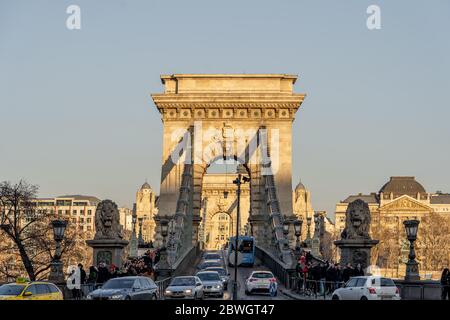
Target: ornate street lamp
[
  {"x": 286, "y": 233},
  {"x": 412, "y": 267},
  {"x": 134, "y": 240},
  {"x": 164, "y": 231},
  {"x": 163, "y": 267},
  {"x": 298, "y": 233},
  {"x": 56, "y": 266},
  {"x": 140, "y": 238},
  {"x": 238, "y": 181}
]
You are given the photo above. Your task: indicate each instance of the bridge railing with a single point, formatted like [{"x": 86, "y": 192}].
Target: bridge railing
[
  {"x": 419, "y": 290},
  {"x": 162, "y": 285},
  {"x": 285, "y": 274}
]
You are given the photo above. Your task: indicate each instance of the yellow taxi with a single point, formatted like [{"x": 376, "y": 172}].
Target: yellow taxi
[{"x": 35, "y": 290}]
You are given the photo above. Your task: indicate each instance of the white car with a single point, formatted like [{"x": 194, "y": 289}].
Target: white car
[
  {"x": 368, "y": 288},
  {"x": 261, "y": 282}
]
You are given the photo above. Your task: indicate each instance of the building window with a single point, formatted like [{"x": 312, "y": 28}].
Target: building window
[
  {"x": 81, "y": 220},
  {"x": 60, "y": 212},
  {"x": 89, "y": 228},
  {"x": 89, "y": 212},
  {"x": 74, "y": 220},
  {"x": 81, "y": 211},
  {"x": 74, "y": 211},
  {"x": 67, "y": 212},
  {"x": 88, "y": 220}
]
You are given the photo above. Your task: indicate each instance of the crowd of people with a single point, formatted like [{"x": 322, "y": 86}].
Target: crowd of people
[
  {"x": 98, "y": 275},
  {"x": 323, "y": 277}
]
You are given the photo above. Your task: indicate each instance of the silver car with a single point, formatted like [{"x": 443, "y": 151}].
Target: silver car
[
  {"x": 223, "y": 275},
  {"x": 212, "y": 283},
  {"x": 126, "y": 288},
  {"x": 188, "y": 287}
]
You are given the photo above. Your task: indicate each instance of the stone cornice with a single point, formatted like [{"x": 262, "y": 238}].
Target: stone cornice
[{"x": 228, "y": 106}]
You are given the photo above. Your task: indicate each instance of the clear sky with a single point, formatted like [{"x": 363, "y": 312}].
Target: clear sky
[{"x": 76, "y": 115}]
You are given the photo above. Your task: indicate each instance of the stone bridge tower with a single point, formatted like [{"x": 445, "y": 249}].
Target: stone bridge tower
[{"x": 207, "y": 117}]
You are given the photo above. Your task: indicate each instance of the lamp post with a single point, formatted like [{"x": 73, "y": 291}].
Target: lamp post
[
  {"x": 140, "y": 238},
  {"x": 133, "y": 243},
  {"x": 163, "y": 266},
  {"x": 298, "y": 233},
  {"x": 56, "y": 266},
  {"x": 412, "y": 267},
  {"x": 238, "y": 181},
  {"x": 308, "y": 232},
  {"x": 286, "y": 232}
]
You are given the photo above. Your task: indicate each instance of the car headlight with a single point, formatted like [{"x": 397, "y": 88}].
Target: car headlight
[
  {"x": 188, "y": 291},
  {"x": 89, "y": 297},
  {"x": 117, "y": 297},
  {"x": 167, "y": 292},
  {"x": 218, "y": 286}
]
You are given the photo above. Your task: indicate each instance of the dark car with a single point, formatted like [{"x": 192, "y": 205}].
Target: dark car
[{"x": 126, "y": 288}]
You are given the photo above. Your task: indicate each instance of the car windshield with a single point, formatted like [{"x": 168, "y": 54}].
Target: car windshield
[
  {"x": 211, "y": 264},
  {"x": 212, "y": 256},
  {"x": 262, "y": 275},
  {"x": 11, "y": 290},
  {"x": 386, "y": 282},
  {"x": 209, "y": 276},
  {"x": 183, "y": 282},
  {"x": 221, "y": 271},
  {"x": 119, "y": 284}
]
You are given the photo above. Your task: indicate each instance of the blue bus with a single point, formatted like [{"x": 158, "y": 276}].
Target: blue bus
[{"x": 246, "y": 251}]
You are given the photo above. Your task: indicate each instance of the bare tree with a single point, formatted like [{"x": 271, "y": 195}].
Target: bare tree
[{"x": 26, "y": 231}]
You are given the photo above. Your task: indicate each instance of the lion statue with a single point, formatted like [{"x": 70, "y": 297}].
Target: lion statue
[
  {"x": 107, "y": 223},
  {"x": 357, "y": 221}
]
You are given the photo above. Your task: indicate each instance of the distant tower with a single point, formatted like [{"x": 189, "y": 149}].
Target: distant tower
[
  {"x": 145, "y": 208},
  {"x": 301, "y": 200}
]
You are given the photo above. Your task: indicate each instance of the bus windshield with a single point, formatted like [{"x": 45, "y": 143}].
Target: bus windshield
[{"x": 246, "y": 246}]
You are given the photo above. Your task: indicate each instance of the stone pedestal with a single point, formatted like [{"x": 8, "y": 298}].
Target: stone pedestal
[
  {"x": 56, "y": 272},
  {"x": 356, "y": 251},
  {"x": 109, "y": 251}
]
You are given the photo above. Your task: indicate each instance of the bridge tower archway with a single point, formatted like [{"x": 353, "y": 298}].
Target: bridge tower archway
[{"x": 245, "y": 117}]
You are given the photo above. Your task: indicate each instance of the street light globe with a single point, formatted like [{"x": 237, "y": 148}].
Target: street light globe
[
  {"x": 297, "y": 227},
  {"x": 286, "y": 227},
  {"x": 164, "y": 227},
  {"x": 59, "y": 228},
  {"x": 411, "y": 227}
]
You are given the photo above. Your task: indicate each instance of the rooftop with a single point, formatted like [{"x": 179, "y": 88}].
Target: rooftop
[{"x": 403, "y": 185}]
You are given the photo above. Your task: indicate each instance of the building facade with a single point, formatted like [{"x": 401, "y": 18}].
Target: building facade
[
  {"x": 400, "y": 199},
  {"x": 219, "y": 210},
  {"x": 146, "y": 211},
  {"x": 126, "y": 218},
  {"x": 79, "y": 210}
]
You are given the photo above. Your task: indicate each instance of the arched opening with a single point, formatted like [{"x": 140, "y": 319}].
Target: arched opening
[{"x": 219, "y": 203}]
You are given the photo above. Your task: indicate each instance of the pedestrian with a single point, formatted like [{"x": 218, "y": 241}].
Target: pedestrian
[
  {"x": 82, "y": 273},
  {"x": 92, "y": 277},
  {"x": 103, "y": 273},
  {"x": 359, "y": 270},
  {"x": 445, "y": 283},
  {"x": 347, "y": 273}
]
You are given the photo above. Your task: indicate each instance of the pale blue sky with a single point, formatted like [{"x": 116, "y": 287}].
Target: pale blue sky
[{"x": 76, "y": 116}]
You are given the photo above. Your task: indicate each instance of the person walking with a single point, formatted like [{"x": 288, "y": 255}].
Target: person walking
[
  {"x": 82, "y": 280},
  {"x": 103, "y": 273},
  {"x": 359, "y": 270},
  {"x": 445, "y": 284}
]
